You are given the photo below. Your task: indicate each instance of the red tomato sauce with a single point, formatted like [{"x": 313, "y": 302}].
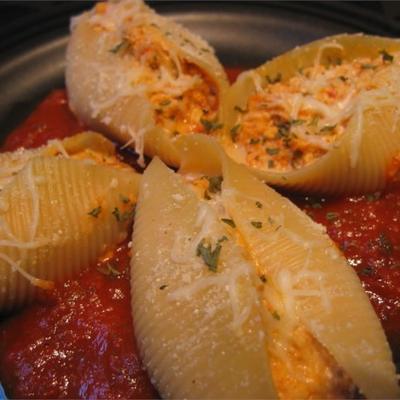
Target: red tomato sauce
[
  {"x": 77, "y": 341},
  {"x": 52, "y": 119}
]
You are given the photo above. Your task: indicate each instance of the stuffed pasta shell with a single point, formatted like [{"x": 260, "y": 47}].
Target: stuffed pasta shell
[
  {"x": 237, "y": 293},
  {"x": 64, "y": 206},
  {"x": 323, "y": 117},
  {"x": 142, "y": 78}
]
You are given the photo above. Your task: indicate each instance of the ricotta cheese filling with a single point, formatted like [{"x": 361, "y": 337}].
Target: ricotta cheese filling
[{"x": 287, "y": 125}]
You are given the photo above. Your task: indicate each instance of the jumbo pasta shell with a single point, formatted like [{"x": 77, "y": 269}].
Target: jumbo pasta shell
[
  {"x": 313, "y": 281},
  {"x": 83, "y": 145},
  {"x": 37, "y": 246},
  {"x": 115, "y": 88},
  {"x": 199, "y": 331},
  {"x": 359, "y": 159}
]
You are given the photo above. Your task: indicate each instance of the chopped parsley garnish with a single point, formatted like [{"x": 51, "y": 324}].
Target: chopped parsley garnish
[
  {"x": 210, "y": 256},
  {"x": 214, "y": 184},
  {"x": 263, "y": 278},
  {"x": 95, "y": 212},
  {"x": 254, "y": 141},
  {"x": 283, "y": 130},
  {"x": 222, "y": 239},
  {"x": 229, "y": 221},
  {"x": 109, "y": 270},
  {"x": 315, "y": 204},
  {"x": 367, "y": 271},
  {"x": 296, "y": 122},
  {"x": 165, "y": 102},
  {"x": 271, "y": 163},
  {"x": 210, "y": 126},
  {"x": 162, "y": 287},
  {"x": 386, "y": 56},
  {"x": 258, "y": 204},
  {"x": 239, "y": 109},
  {"x": 276, "y": 315},
  {"x": 368, "y": 66},
  {"x": 124, "y": 199},
  {"x": 385, "y": 244},
  {"x": 123, "y": 216},
  {"x": 272, "y": 80},
  {"x": 373, "y": 196},
  {"x": 344, "y": 78},
  {"x": 328, "y": 128},
  {"x": 234, "y": 132},
  {"x": 121, "y": 46},
  {"x": 332, "y": 216},
  {"x": 256, "y": 224},
  {"x": 272, "y": 151}
]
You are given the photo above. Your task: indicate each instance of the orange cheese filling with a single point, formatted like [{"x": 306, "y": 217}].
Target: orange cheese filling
[
  {"x": 184, "y": 97},
  {"x": 288, "y": 124}
]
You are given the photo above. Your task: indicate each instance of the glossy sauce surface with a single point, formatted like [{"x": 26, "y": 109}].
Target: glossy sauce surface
[{"x": 78, "y": 341}]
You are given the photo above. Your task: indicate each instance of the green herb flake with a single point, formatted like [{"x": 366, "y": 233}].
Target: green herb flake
[
  {"x": 222, "y": 239},
  {"x": 210, "y": 126},
  {"x": 343, "y": 78},
  {"x": 367, "y": 271},
  {"x": 283, "y": 130},
  {"x": 371, "y": 197},
  {"x": 271, "y": 80},
  {"x": 214, "y": 184},
  {"x": 95, "y": 212},
  {"x": 276, "y": 315},
  {"x": 272, "y": 151},
  {"x": 332, "y": 216},
  {"x": 109, "y": 270},
  {"x": 123, "y": 216},
  {"x": 254, "y": 141},
  {"x": 235, "y": 132},
  {"x": 165, "y": 102},
  {"x": 296, "y": 122},
  {"x": 263, "y": 278},
  {"x": 257, "y": 224},
  {"x": 121, "y": 46},
  {"x": 385, "y": 244},
  {"x": 328, "y": 128},
  {"x": 258, "y": 204},
  {"x": 368, "y": 66},
  {"x": 209, "y": 256},
  {"x": 316, "y": 205},
  {"x": 387, "y": 57},
  {"x": 271, "y": 164},
  {"x": 239, "y": 109},
  {"x": 229, "y": 221},
  {"x": 162, "y": 287},
  {"x": 124, "y": 199}
]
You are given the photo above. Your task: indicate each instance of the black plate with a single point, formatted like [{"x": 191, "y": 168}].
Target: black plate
[{"x": 244, "y": 34}]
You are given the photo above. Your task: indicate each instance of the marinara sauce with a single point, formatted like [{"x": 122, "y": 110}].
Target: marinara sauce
[{"x": 77, "y": 341}]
